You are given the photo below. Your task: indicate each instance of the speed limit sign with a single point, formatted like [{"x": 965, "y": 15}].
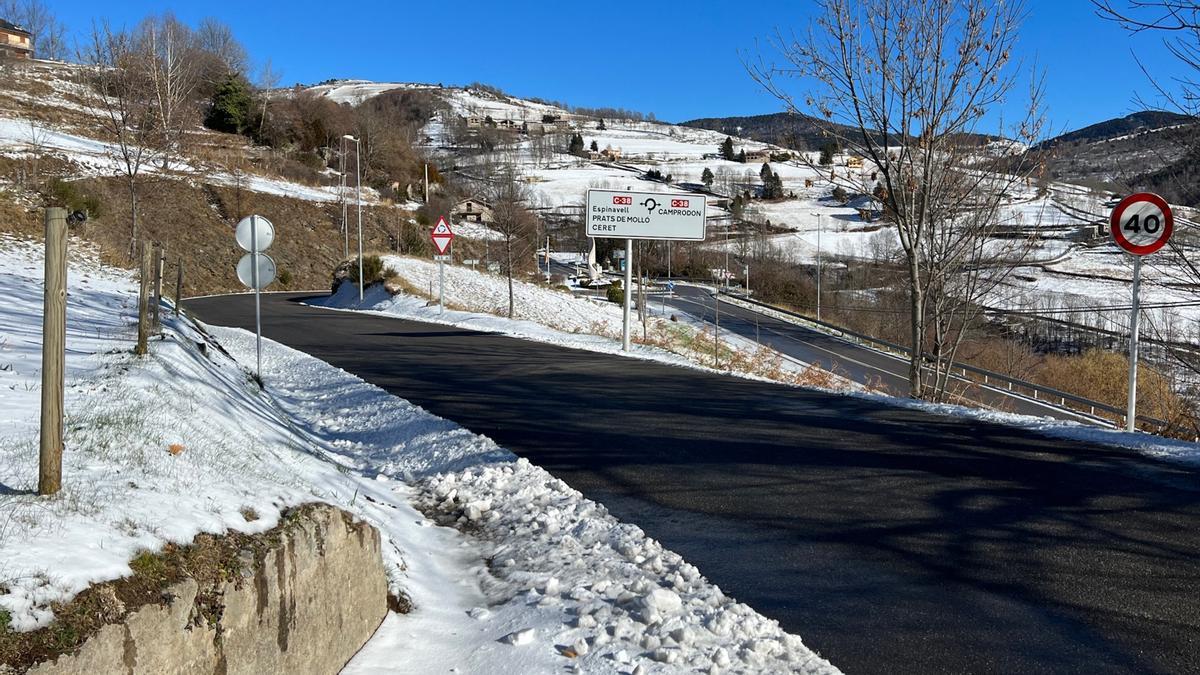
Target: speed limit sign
[{"x": 1142, "y": 223}]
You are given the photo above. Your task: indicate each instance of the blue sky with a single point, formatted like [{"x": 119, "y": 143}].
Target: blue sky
[{"x": 679, "y": 61}]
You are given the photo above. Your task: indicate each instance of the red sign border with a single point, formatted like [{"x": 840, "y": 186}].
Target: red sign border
[
  {"x": 1114, "y": 223},
  {"x": 437, "y": 238}
]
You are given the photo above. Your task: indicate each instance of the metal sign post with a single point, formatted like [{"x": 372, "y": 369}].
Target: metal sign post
[
  {"x": 1134, "y": 320},
  {"x": 257, "y": 298},
  {"x": 256, "y": 269},
  {"x": 1141, "y": 224},
  {"x": 442, "y": 237},
  {"x": 628, "y": 294},
  {"x": 623, "y": 214}
]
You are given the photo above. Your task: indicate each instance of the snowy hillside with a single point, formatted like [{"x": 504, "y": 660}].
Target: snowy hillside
[{"x": 1069, "y": 261}]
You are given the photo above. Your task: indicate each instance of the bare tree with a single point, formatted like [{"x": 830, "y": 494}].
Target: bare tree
[
  {"x": 121, "y": 103},
  {"x": 216, "y": 39},
  {"x": 912, "y": 81},
  {"x": 172, "y": 61},
  {"x": 515, "y": 223},
  {"x": 268, "y": 79}
]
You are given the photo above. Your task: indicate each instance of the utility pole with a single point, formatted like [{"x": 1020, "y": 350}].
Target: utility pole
[
  {"x": 54, "y": 342},
  {"x": 547, "y": 258},
  {"x": 426, "y": 195}
]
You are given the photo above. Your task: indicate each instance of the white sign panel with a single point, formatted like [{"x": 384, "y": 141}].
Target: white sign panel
[
  {"x": 266, "y": 270},
  {"x": 255, "y": 234},
  {"x": 645, "y": 215}
]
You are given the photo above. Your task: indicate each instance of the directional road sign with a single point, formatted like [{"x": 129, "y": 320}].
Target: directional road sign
[
  {"x": 442, "y": 235},
  {"x": 1142, "y": 223},
  {"x": 645, "y": 215}
]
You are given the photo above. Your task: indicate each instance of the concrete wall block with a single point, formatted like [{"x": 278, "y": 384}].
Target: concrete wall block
[{"x": 318, "y": 596}]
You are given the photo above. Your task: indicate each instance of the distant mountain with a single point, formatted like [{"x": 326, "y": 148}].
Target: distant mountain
[
  {"x": 1148, "y": 150},
  {"x": 1137, "y": 123},
  {"x": 789, "y": 130}
]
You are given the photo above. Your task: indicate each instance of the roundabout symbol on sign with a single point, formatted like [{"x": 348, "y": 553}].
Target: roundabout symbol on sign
[{"x": 1142, "y": 223}]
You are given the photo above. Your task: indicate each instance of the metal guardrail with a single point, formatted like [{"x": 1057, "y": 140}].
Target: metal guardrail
[{"x": 980, "y": 376}]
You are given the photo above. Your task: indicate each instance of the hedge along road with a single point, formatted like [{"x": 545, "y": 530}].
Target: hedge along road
[{"x": 891, "y": 540}]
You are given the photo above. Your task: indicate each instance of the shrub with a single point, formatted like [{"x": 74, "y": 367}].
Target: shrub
[
  {"x": 373, "y": 271},
  {"x": 615, "y": 292},
  {"x": 285, "y": 278},
  {"x": 72, "y": 197}
]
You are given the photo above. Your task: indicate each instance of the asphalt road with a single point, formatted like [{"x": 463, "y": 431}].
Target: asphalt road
[
  {"x": 892, "y": 541},
  {"x": 856, "y": 362}
]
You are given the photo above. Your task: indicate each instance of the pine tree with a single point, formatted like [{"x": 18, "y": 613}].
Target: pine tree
[
  {"x": 726, "y": 149},
  {"x": 765, "y": 172},
  {"x": 576, "y": 146},
  {"x": 707, "y": 177},
  {"x": 595, "y": 146},
  {"x": 828, "y": 150},
  {"x": 741, "y": 156},
  {"x": 231, "y": 102},
  {"x": 601, "y": 127}
]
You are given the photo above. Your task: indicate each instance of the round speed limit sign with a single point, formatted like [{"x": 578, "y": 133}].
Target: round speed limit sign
[{"x": 1142, "y": 223}]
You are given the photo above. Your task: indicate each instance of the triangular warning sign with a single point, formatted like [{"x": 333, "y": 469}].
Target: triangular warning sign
[{"x": 442, "y": 235}]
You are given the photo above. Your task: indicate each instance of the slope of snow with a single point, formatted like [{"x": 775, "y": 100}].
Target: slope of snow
[{"x": 355, "y": 92}]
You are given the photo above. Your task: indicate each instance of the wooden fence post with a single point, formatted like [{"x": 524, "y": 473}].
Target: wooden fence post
[
  {"x": 156, "y": 306},
  {"x": 54, "y": 339},
  {"x": 144, "y": 303},
  {"x": 178, "y": 285}
]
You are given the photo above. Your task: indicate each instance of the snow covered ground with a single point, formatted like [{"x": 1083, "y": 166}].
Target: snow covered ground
[{"x": 569, "y": 586}]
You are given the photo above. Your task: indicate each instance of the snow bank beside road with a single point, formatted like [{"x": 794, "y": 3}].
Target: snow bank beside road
[{"x": 567, "y": 583}]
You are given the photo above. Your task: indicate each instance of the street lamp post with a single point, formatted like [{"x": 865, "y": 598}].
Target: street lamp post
[
  {"x": 342, "y": 199},
  {"x": 819, "y": 228},
  {"x": 358, "y": 205}
]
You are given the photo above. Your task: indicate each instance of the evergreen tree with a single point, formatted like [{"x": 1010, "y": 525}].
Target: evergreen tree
[
  {"x": 707, "y": 177},
  {"x": 231, "y": 104},
  {"x": 601, "y": 127},
  {"x": 840, "y": 194},
  {"x": 828, "y": 150},
  {"x": 726, "y": 149},
  {"x": 576, "y": 146},
  {"x": 741, "y": 156},
  {"x": 765, "y": 172},
  {"x": 595, "y": 146}
]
